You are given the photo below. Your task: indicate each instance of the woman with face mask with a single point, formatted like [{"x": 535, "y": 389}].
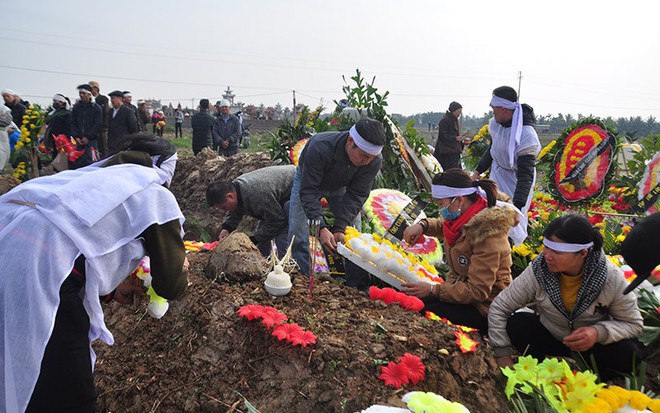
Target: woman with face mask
[{"x": 477, "y": 250}]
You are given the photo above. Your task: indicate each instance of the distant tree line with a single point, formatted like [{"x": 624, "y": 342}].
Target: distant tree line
[{"x": 634, "y": 126}]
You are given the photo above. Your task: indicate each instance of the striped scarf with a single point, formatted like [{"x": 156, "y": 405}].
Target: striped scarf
[{"x": 595, "y": 275}]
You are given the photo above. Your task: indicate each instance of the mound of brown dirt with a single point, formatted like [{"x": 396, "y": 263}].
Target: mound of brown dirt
[
  {"x": 201, "y": 353},
  {"x": 192, "y": 176},
  {"x": 235, "y": 258},
  {"x": 7, "y": 182}
]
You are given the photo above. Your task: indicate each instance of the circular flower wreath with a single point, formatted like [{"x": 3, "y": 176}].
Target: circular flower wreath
[
  {"x": 649, "y": 181},
  {"x": 381, "y": 209},
  {"x": 296, "y": 150},
  {"x": 573, "y": 144}
]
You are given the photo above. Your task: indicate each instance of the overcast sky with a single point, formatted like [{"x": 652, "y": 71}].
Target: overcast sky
[{"x": 589, "y": 57}]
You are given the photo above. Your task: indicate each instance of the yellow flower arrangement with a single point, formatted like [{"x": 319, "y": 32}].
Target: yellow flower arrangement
[
  {"x": 546, "y": 149},
  {"x": 614, "y": 397}
]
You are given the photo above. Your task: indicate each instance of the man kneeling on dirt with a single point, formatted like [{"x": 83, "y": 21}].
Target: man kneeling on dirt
[
  {"x": 340, "y": 166},
  {"x": 262, "y": 194}
]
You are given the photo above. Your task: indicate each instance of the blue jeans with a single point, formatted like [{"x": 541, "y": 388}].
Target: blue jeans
[{"x": 299, "y": 226}]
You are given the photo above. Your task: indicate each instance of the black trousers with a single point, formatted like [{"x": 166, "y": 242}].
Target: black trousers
[
  {"x": 177, "y": 129},
  {"x": 65, "y": 382},
  {"x": 449, "y": 161},
  {"x": 462, "y": 314},
  {"x": 530, "y": 337}
]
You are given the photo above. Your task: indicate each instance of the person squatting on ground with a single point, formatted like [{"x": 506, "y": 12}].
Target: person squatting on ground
[
  {"x": 226, "y": 131},
  {"x": 475, "y": 233},
  {"x": 449, "y": 145},
  {"x": 511, "y": 157},
  {"x": 578, "y": 301},
  {"x": 340, "y": 166},
  {"x": 74, "y": 241},
  {"x": 202, "y": 125},
  {"x": 263, "y": 194}
]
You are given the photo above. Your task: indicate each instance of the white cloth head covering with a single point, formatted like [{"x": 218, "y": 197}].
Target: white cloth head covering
[
  {"x": 444, "y": 191},
  {"x": 566, "y": 246},
  {"x": 363, "y": 144},
  {"x": 8, "y": 92},
  {"x": 516, "y": 122}
]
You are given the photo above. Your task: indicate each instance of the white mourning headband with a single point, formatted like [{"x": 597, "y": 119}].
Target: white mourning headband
[
  {"x": 366, "y": 146},
  {"x": 566, "y": 246}
]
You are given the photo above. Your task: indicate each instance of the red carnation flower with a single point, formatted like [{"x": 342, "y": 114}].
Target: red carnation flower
[
  {"x": 286, "y": 331},
  {"x": 375, "y": 293},
  {"x": 251, "y": 311},
  {"x": 415, "y": 366},
  {"x": 388, "y": 295},
  {"x": 273, "y": 318},
  {"x": 395, "y": 374},
  {"x": 411, "y": 303},
  {"x": 302, "y": 337}
]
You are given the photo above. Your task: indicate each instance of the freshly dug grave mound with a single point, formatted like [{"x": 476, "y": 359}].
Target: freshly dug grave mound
[
  {"x": 194, "y": 174},
  {"x": 235, "y": 258},
  {"x": 201, "y": 353}
]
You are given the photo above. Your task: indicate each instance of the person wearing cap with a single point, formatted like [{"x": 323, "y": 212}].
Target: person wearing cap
[
  {"x": 449, "y": 145},
  {"x": 13, "y": 102},
  {"x": 340, "y": 166},
  {"x": 87, "y": 118},
  {"x": 202, "y": 126},
  {"x": 474, "y": 227},
  {"x": 104, "y": 102},
  {"x": 143, "y": 116},
  {"x": 578, "y": 301},
  {"x": 640, "y": 250},
  {"x": 511, "y": 157},
  {"x": 74, "y": 244},
  {"x": 226, "y": 130},
  {"x": 59, "y": 121},
  {"x": 122, "y": 120},
  {"x": 128, "y": 102}
]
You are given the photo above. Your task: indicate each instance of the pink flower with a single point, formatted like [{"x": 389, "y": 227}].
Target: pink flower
[
  {"x": 395, "y": 374},
  {"x": 286, "y": 331}
]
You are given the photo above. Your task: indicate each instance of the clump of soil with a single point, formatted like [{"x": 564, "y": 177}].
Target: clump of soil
[
  {"x": 235, "y": 258},
  {"x": 7, "y": 182},
  {"x": 201, "y": 354},
  {"x": 194, "y": 174}
]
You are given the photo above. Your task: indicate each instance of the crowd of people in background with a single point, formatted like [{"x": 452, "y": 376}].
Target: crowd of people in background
[{"x": 96, "y": 122}]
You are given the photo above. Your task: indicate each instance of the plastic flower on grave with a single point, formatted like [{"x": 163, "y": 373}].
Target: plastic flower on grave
[
  {"x": 395, "y": 374},
  {"x": 302, "y": 337},
  {"x": 272, "y": 318},
  {"x": 415, "y": 366},
  {"x": 432, "y": 316},
  {"x": 526, "y": 368},
  {"x": 251, "y": 311},
  {"x": 423, "y": 402},
  {"x": 551, "y": 370},
  {"x": 285, "y": 331},
  {"x": 639, "y": 401},
  {"x": 579, "y": 390},
  {"x": 408, "y": 302},
  {"x": 388, "y": 295},
  {"x": 465, "y": 343}
]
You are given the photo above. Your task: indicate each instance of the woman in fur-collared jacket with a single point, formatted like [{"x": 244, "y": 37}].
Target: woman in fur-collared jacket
[
  {"x": 477, "y": 250},
  {"x": 579, "y": 304}
]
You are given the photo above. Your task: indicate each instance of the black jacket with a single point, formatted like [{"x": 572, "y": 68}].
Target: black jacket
[
  {"x": 87, "y": 120},
  {"x": 227, "y": 131},
  {"x": 17, "y": 112},
  {"x": 325, "y": 167},
  {"x": 447, "y": 133},
  {"x": 124, "y": 123},
  {"x": 202, "y": 126},
  {"x": 104, "y": 102}
]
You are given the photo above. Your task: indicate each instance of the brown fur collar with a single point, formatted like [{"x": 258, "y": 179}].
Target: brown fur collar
[{"x": 489, "y": 222}]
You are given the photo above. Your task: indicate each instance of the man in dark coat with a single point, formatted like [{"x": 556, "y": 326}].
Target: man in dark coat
[
  {"x": 227, "y": 131},
  {"x": 340, "y": 166},
  {"x": 87, "y": 118},
  {"x": 122, "y": 120},
  {"x": 263, "y": 194},
  {"x": 104, "y": 102},
  {"x": 202, "y": 126},
  {"x": 13, "y": 102},
  {"x": 449, "y": 145}
]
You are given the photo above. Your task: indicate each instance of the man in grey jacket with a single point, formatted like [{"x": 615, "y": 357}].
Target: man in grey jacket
[
  {"x": 340, "y": 166},
  {"x": 262, "y": 194},
  {"x": 226, "y": 131}
]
